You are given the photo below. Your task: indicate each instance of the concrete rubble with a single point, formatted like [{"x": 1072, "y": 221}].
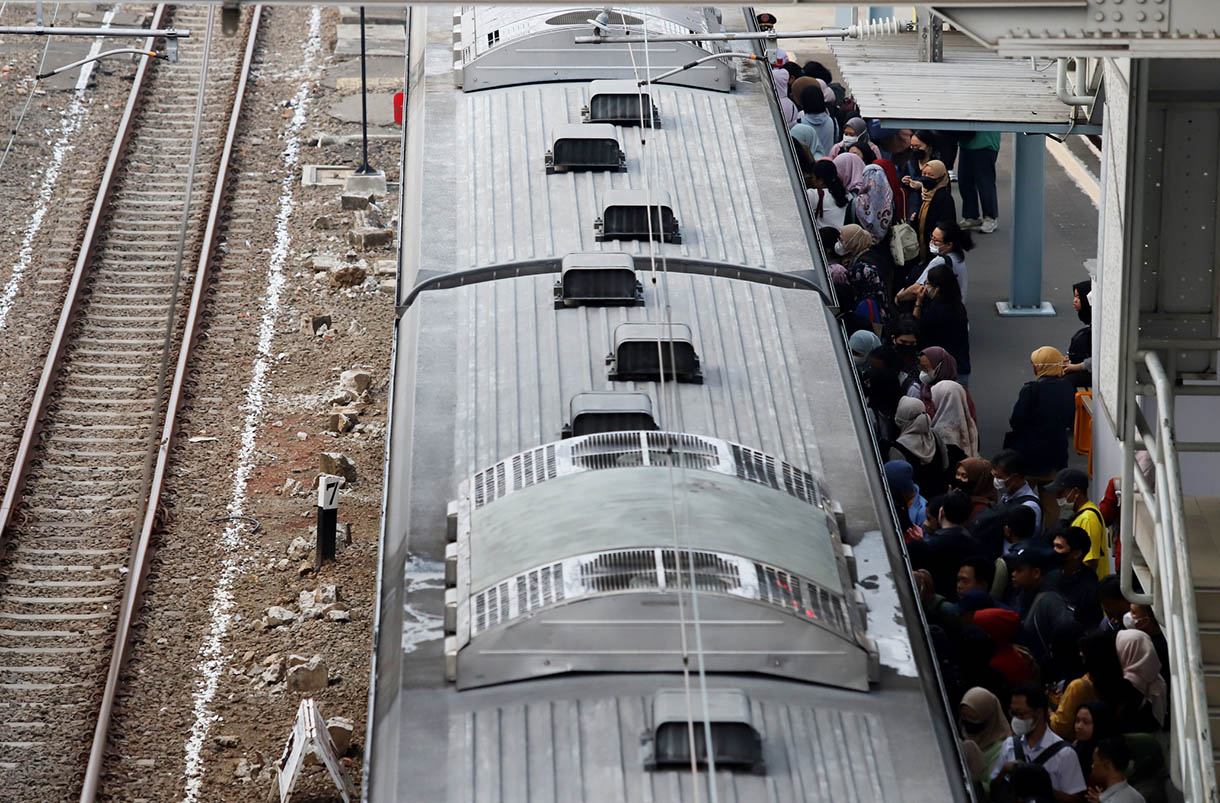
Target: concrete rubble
[
  {"x": 338, "y": 464},
  {"x": 305, "y": 677}
]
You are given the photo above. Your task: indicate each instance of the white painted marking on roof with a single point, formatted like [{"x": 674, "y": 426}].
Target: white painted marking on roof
[
  {"x": 71, "y": 123},
  {"x": 418, "y": 626},
  {"x": 886, "y": 625},
  {"x": 1076, "y": 170},
  {"x": 212, "y": 656}
]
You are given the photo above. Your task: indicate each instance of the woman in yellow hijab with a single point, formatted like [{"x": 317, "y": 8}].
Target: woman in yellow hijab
[{"x": 1044, "y": 413}]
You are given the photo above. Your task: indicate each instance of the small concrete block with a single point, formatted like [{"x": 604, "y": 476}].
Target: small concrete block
[
  {"x": 324, "y": 175},
  {"x": 357, "y": 200},
  {"x": 365, "y": 239},
  {"x": 367, "y": 184}
]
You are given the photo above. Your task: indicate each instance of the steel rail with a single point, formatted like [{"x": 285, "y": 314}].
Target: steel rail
[
  {"x": 133, "y": 591},
  {"x": 84, "y": 265}
]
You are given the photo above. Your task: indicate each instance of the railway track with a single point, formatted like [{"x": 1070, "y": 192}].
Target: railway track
[{"x": 83, "y": 491}]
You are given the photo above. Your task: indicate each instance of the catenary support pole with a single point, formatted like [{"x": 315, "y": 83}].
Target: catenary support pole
[
  {"x": 1028, "y": 185},
  {"x": 364, "y": 168}
]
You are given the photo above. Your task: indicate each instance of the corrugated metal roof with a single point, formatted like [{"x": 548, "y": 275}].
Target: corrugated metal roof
[
  {"x": 520, "y": 362},
  {"x": 509, "y": 209},
  {"x": 973, "y": 84}
]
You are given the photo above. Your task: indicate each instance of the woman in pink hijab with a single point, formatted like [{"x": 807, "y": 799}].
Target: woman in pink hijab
[
  {"x": 1142, "y": 668},
  {"x": 851, "y": 170}
]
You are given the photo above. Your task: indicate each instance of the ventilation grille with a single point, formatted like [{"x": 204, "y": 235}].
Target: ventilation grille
[
  {"x": 585, "y": 154},
  {"x": 801, "y": 597},
  {"x": 526, "y": 592},
  {"x": 735, "y": 745},
  {"x": 754, "y": 466},
  {"x": 642, "y": 447},
  {"x": 652, "y": 570},
  {"x": 641, "y": 361},
  {"x": 631, "y": 222},
  {"x": 622, "y": 109},
  {"x": 601, "y": 287},
  {"x": 519, "y": 471},
  {"x": 626, "y": 449},
  {"x": 583, "y": 17}
]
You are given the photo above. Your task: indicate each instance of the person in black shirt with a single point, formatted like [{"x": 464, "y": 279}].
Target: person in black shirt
[
  {"x": 942, "y": 318},
  {"x": 1080, "y": 350},
  {"x": 943, "y": 551},
  {"x": 1072, "y": 579}
]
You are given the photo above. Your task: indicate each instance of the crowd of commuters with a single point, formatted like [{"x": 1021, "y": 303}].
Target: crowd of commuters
[{"x": 1060, "y": 685}]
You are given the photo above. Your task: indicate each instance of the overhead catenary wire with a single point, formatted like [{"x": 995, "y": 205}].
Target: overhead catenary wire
[
  {"x": 672, "y": 423},
  {"x": 42, "y": 63}
]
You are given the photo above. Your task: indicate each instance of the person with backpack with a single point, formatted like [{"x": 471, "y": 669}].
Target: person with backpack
[
  {"x": 1071, "y": 486},
  {"x": 1008, "y": 475},
  {"x": 950, "y": 244},
  {"x": 1035, "y": 743}
]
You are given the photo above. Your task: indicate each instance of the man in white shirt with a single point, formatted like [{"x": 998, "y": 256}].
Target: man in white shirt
[
  {"x": 1108, "y": 782},
  {"x": 1035, "y": 743}
]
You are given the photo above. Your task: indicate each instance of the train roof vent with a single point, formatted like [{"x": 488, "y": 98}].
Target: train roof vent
[
  {"x": 609, "y": 411},
  {"x": 648, "y": 352},
  {"x": 582, "y": 18},
  {"x": 620, "y": 102},
  {"x": 585, "y": 147},
  {"x": 636, "y": 215},
  {"x": 600, "y": 278},
  {"x": 736, "y": 744}
]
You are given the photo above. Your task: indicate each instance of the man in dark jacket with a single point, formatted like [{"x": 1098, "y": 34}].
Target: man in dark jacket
[
  {"x": 1044, "y": 412},
  {"x": 1075, "y": 581},
  {"x": 942, "y": 552}
]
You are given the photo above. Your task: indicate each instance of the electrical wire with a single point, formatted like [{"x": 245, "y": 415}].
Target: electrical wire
[{"x": 42, "y": 63}]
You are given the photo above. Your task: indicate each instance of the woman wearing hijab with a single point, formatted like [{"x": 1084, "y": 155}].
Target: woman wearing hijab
[
  {"x": 786, "y": 107},
  {"x": 973, "y": 476},
  {"x": 935, "y": 203},
  {"x": 982, "y": 721},
  {"x": 952, "y": 420},
  {"x": 1094, "y": 722},
  {"x": 899, "y": 194},
  {"x": 813, "y": 108},
  {"x": 949, "y": 243},
  {"x": 863, "y": 275},
  {"x": 874, "y": 206},
  {"x": 1044, "y": 412},
  {"x": 936, "y": 365},
  {"x": 1142, "y": 669},
  {"x": 919, "y": 446},
  {"x": 828, "y": 197},
  {"x": 851, "y": 170},
  {"x": 855, "y": 132},
  {"x": 1080, "y": 350}
]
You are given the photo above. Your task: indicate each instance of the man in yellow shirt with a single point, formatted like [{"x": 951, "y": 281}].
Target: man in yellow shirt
[{"x": 1071, "y": 486}]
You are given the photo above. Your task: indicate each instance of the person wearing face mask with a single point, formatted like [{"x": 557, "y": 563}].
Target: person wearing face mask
[
  {"x": 973, "y": 475},
  {"x": 1080, "y": 350},
  {"x": 855, "y": 132},
  {"x": 1142, "y": 618},
  {"x": 981, "y": 720},
  {"x": 949, "y": 245},
  {"x": 936, "y": 365},
  {"x": 923, "y": 148},
  {"x": 1071, "y": 578},
  {"x": 853, "y": 248},
  {"x": 861, "y": 344},
  {"x": 935, "y": 203},
  {"x": 1008, "y": 475},
  {"x": 943, "y": 320},
  {"x": 919, "y": 446},
  {"x": 1071, "y": 489},
  {"x": 905, "y": 340},
  {"x": 1032, "y": 741}
]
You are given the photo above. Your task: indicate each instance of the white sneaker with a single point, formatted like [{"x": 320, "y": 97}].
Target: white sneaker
[
  {"x": 989, "y": 225},
  {"x": 970, "y": 224}
]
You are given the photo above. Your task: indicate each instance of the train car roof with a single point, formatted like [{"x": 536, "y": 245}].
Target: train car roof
[{"x": 487, "y": 369}]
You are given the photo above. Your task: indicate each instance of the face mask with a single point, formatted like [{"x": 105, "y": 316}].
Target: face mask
[
  {"x": 919, "y": 153},
  {"x": 1022, "y": 727},
  {"x": 926, "y": 377},
  {"x": 933, "y": 248},
  {"x": 960, "y": 485},
  {"x": 849, "y": 141},
  {"x": 1130, "y": 622},
  {"x": 839, "y": 249},
  {"x": 906, "y": 349},
  {"x": 973, "y": 727},
  {"x": 1065, "y": 505},
  {"x": 929, "y": 181},
  {"x": 998, "y": 483}
]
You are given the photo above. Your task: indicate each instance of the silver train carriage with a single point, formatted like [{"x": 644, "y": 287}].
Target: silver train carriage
[{"x": 579, "y": 561}]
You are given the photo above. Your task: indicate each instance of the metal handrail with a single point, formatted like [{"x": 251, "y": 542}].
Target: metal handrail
[{"x": 1172, "y": 586}]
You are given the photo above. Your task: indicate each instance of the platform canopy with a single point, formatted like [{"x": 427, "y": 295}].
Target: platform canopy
[{"x": 971, "y": 89}]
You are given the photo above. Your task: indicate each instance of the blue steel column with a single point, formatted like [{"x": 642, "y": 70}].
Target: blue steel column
[
  {"x": 843, "y": 14},
  {"x": 1028, "y": 184}
]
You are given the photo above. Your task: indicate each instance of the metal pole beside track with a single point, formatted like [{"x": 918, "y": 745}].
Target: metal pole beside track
[{"x": 364, "y": 168}]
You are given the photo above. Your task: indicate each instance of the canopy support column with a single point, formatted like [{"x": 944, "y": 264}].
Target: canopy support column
[{"x": 1028, "y": 185}]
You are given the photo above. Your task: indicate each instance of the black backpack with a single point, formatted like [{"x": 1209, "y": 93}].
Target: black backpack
[
  {"x": 1001, "y": 788},
  {"x": 988, "y": 526}
]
